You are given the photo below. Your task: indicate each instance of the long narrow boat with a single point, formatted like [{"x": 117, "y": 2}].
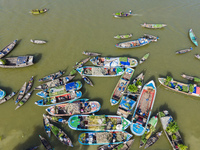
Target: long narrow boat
[
  {"x": 188, "y": 89},
  {"x": 91, "y": 53},
  {"x": 46, "y": 125},
  {"x": 114, "y": 61},
  {"x": 52, "y": 76},
  {"x": 197, "y": 56},
  {"x": 195, "y": 79},
  {"x": 80, "y": 106},
  {"x": 24, "y": 100},
  {"x": 106, "y": 137},
  {"x": 153, "y": 26},
  {"x": 149, "y": 131},
  {"x": 59, "y": 99},
  {"x": 53, "y": 83},
  {"x": 16, "y": 62},
  {"x": 45, "y": 143},
  {"x": 123, "y": 146},
  {"x": 5, "y": 99},
  {"x": 193, "y": 37},
  {"x": 128, "y": 101},
  {"x": 7, "y": 49},
  {"x": 123, "y": 36},
  {"x": 100, "y": 71},
  {"x": 145, "y": 57},
  {"x": 121, "y": 86},
  {"x": 98, "y": 123},
  {"x": 173, "y": 138},
  {"x": 153, "y": 139},
  {"x": 122, "y": 14},
  {"x": 2, "y": 94},
  {"x": 61, "y": 135},
  {"x": 39, "y": 11},
  {"x": 60, "y": 90},
  {"x": 87, "y": 80},
  {"x": 81, "y": 63},
  {"x": 134, "y": 43},
  {"x": 29, "y": 85},
  {"x": 38, "y": 41},
  {"x": 21, "y": 93},
  {"x": 57, "y": 119},
  {"x": 143, "y": 109},
  {"x": 184, "y": 51}
]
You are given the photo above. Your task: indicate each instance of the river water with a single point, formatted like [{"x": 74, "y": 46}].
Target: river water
[{"x": 71, "y": 27}]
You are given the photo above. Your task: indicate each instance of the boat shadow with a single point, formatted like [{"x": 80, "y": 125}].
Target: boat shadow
[
  {"x": 37, "y": 57},
  {"x": 8, "y": 90}
]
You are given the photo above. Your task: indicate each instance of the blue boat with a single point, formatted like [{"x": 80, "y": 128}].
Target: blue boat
[
  {"x": 79, "y": 106},
  {"x": 98, "y": 123},
  {"x": 106, "y": 137},
  {"x": 60, "y": 90},
  {"x": 193, "y": 37},
  {"x": 121, "y": 86},
  {"x": 59, "y": 99},
  {"x": 2, "y": 94},
  {"x": 143, "y": 109}
]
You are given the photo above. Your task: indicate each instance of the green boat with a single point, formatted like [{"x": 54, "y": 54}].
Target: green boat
[
  {"x": 153, "y": 26},
  {"x": 98, "y": 123},
  {"x": 193, "y": 37},
  {"x": 38, "y": 11},
  {"x": 144, "y": 58},
  {"x": 123, "y": 36}
]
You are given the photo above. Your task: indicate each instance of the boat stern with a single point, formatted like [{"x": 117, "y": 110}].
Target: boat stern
[
  {"x": 74, "y": 122},
  {"x": 137, "y": 129}
]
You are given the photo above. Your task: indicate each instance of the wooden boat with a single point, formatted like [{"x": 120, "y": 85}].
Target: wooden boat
[
  {"x": 106, "y": 137},
  {"x": 81, "y": 63},
  {"x": 173, "y": 138},
  {"x": 38, "y": 41},
  {"x": 59, "y": 99},
  {"x": 129, "y": 100},
  {"x": 153, "y": 139},
  {"x": 98, "y": 123},
  {"x": 29, "y": 85},
  {"x": 2, "y": 94},
  {"x": 45, "y": 143},
  {"x": 188, "y": 89},
  {"x": 5, "y": 99},
  {"x": 123, "y": 36},
  {"x": 60, "y": 90},
  {"x": 8, "y": 49},
  {"x": 100, "y": 71},
  {"x": 16, "y": 62},
  {"x": 61, "y": 135},
  {"x": 21, "y": 93},
  {"x": 123, "y": 146},
  {"x": 143, "y": 109},
  {"x": 193, "y": 37},
  {"x": 184, "y": 51},
  {"x": 53, "y": 83},
  {"x": 195, "y": 79},
  {"x": 197, "y": 56},
  {"x": 87, "y": 80},
  {"x": 52, "y": 76},
  {"x": 153, "y": 26},
  {"x": 114, "y": 61},
  {"x": 122, "y": 14},
  {"x": 90, "y": 53},
  {"x": 24, "y": 100},
  {"x": 46, "y": 125},
  {"x": 79, "y": 106},
  {"x": 57, "y": 119},
  {"x": 134, "y": 43},
  {"x": 151, "y": 37},
  {"x": 149, "y": 131},
  {"x": 38, "y": 11},
  {"x": 145, "y": 57},
  {"x": 121, "y": 86}
]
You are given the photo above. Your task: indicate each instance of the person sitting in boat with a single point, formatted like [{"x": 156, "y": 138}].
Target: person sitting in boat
[
  {"x": 130, "y": 11},
  {"x": 120, "y": 13}
]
